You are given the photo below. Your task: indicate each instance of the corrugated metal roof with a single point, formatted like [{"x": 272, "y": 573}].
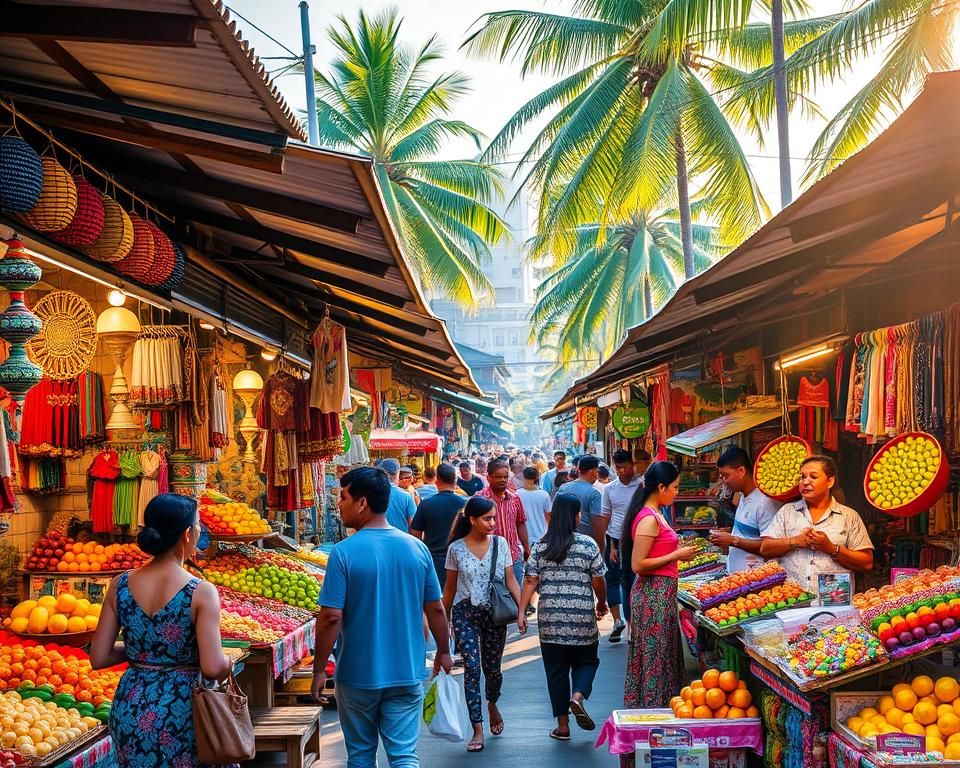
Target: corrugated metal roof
[{"x": 886, "y": 203}]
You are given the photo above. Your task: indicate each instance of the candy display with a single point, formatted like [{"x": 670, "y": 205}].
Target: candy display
[
  {"x": 256, "y": 621},
  {"x": 777, "y": 469},
  {"x": 922, "y": 707},
  {"x": 53, "y": 615},
  {"x": 729, "y": 587},
  {"x": 907, "y": 475},
  {"x": 226, "y": 517},
  {"x": 717, "y": 695},
  {"x": 707, "y": 555},
  {"x": 819, "y": 653},
  {"x": 923, "y": 585},
  {"x": 752, "y": 606}
]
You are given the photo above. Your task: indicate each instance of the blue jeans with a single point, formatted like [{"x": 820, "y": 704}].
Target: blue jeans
[
  {"x": 613, "y": 576},
  {"x": 392, "y": 714}
]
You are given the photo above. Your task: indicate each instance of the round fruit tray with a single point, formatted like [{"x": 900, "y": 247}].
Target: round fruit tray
[
  {"x": 71, "y": 639},
  {"x": 793, "y": 492},
  {"x": 759, "y": 586},
  {"x": 928, "y": 496}
]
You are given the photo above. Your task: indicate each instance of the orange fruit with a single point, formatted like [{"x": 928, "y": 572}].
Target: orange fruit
[
  {"x": 948, "y": 723},
  {"x": 728, "y": 681},
  {"x": 710, "y": 678},
  {"x": 715, "y": 698},
  {"x": 922, "y": 685},
  {"x": 697, "y": 684},
  {"x": 946, "y": 689},
  {"x": 736, "y": 712},
  {"x": 895, "y": 717},
  {"x": 905, "y": 699},
  {"x": 703, "y": 713},
  {"x": 740, "y": 699},
  {"x": 952, "y": 751},
  {"x": 752, "y": 711},
  {"x": 925, "y": 713},
  {"x": 56, "y": 625},
  {"x": 700, "y": 697},
  {"x": 885, "y": 703},
  {"x": 76, "y": 624},
  {"x": 77, "y": 548},
  {"x": 685, "y": 712},
  {"x": 935, "y": 745},
  {"x": 722, "y": 712},
  {"x": 686, "y": 693}
]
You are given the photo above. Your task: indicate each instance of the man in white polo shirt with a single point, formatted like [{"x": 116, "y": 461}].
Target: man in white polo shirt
[
  {"x": 614, "y": 501},
  {"x": 754, "y": 512}
]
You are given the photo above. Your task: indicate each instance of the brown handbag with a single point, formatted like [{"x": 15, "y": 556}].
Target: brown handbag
[{"x": 222, "y": 725}]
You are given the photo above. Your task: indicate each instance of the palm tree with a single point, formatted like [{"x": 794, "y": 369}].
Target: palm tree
[
  {"x": 630, "y": 119},
  {"x": 916, "y": 37},
  {"x": 617, "y": 277},
  {"x": 378, "y": 101}
]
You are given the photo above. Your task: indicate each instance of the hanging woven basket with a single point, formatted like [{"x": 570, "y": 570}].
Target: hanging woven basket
[
  {"x": 164, "y": 258},
  {"x": 87, "y": 224},
  {"x": 139, "y": 261},
  {"x": 179, "y": 266},
  {"x": 116, "y": 235},
  {"x": 21, "y": 176},
  {"x": 67, "y": 342},
  {"x": 58, "y": 203}
]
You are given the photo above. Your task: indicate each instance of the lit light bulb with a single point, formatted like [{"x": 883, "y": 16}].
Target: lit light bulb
[
  {"x": 116, "y": 298},
  {"x": 207, "y": 326},
  {"x": 269, "y": 355},
  {"x": 306, "y": 375}
]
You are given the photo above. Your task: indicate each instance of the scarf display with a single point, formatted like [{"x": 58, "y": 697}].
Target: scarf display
[
  {"x": 217, "y": 407},
  {"x": 91, "y": 408},
  {"x": 51, "y": 424},
  {"x": 157, "y": 371},
  {"x": 282, "y": 411},
  {"x": 125, "y": 494},
  {"x": 44, "y": 475},
  {"x": 815, "y": 419},
  {"x": 150, "y": 481}
]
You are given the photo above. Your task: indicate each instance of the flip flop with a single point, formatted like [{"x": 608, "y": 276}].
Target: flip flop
[
  {"x": 497, "y": 728},
  {"x": 583, "y": 719},
  {"x": 475, "y": 746},
  {"x": 555, "y": 734}
]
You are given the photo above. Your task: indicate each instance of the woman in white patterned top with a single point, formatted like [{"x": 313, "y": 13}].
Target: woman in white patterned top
[{"x": 567, "y": 569}]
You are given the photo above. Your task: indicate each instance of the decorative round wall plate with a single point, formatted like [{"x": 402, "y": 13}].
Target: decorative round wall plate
[{"x": 66, "y": 344}]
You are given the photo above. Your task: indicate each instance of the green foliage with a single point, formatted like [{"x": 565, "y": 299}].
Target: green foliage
[{"x": 379, "y": 101}]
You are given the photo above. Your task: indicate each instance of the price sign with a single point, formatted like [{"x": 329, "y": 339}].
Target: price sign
[{"x": 632, "y": 420}]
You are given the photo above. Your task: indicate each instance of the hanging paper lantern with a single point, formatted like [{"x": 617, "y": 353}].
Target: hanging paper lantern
[
  {"x": 116, "y": 235},
  {"x": 87, "y": 222},
  {"x": 18, "y": 374},
  {"x": 58, "y": 203},
  {"x": 164, "y": 258},
  {"x": 179, "y": 266},
  {"x": 139, "y": 261},
  {"x": 21, "y": 176}
]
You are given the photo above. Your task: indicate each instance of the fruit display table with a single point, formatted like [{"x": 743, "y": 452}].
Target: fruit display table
[
  {"x": 843, "y": 755},
  {"x": 743, "y": 733},
  {"x": 266, "y": 662},
  {"x": 99, "y": 754}
]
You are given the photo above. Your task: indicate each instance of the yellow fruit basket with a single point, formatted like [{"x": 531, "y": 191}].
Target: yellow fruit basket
[
  {"x": 790, "y": 449},
  {"x": 896, "y": 463}
]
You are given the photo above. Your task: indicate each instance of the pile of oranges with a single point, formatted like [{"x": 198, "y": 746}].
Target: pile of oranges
[
  {"x": 718, "y": 695},
  {"x": 67, "y": 673},
  {"x": 53, "y": 615},
  {"x": 921, "y": 707}
]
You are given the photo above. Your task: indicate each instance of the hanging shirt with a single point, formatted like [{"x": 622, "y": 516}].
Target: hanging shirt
[{"x": 330, "y": 371}]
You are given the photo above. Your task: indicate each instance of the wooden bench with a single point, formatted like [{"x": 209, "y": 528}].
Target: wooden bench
[{"x": 294, "y": 730}]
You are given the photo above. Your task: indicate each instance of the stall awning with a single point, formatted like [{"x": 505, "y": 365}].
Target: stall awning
[
  {"x": 698, "y": 438},
  {"x": 397, "y": 440},
  {"x": 464, "y": 402}
]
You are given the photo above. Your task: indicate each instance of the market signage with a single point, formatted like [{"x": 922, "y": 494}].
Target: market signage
[
  {"x": 632, "y": 420},
  {"x": 587, "y": 416}
]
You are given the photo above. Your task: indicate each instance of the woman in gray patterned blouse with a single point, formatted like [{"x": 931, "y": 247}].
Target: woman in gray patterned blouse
[{"x": 568, "y": 569}]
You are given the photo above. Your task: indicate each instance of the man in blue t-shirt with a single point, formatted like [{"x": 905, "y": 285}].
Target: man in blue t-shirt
[
  {"x": 378, "y": 585},
  {"x": 401, "y": 508}
]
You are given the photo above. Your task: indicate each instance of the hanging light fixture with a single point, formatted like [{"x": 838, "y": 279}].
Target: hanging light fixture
[
  {"x": 811, "y": 353},
  {"x": 247, "y": 385},
  {"x": 118, "y": 328},
  {"x": 269, "y": 354},
  {"x": 116, "y": 298}
]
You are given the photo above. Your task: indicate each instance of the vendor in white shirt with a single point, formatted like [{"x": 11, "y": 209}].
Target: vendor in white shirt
[
  {"x": 755, "y": 512},
  {"x": 817, "y": 534}
]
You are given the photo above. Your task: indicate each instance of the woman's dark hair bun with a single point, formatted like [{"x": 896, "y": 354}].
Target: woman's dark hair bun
[
  {"x": 165, "y": 518},
  {"x": 150, "y": 541}
]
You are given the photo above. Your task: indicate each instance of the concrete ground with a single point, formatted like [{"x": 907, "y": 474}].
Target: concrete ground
[{"x": 526, "y": 711}]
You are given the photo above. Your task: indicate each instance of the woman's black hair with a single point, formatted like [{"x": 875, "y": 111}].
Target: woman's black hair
[
  {"x": 563, "y": 525},
  {"x": 165, "y": 519},
  {"x": 477, "y": 506},
  {"x": 657, "y": 474}
]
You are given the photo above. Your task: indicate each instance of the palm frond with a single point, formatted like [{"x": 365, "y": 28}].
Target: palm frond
[
  {"x": 681, "y": 21},
  {"x": 430, "y": 137}
]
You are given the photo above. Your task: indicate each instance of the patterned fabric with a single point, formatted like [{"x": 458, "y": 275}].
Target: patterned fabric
[
  {"x": 481, "y": 643},
  {"x": 654, "y": 663},
  {"x": 152, "y": 717},
  {"x": 566, "y": 613},
  {"x": 510, "y": 514},
  {"x": 473, "y": 574}
]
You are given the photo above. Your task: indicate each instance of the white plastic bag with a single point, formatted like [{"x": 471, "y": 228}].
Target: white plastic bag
[{"x": 445, "y": 709}]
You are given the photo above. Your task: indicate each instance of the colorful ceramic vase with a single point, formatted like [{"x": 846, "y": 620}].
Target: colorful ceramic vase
[{"x": 18, "y": 374}]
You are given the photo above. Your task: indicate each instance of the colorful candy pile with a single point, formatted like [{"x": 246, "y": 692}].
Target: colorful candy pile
[
  {"x": 832, "y": 651},
  {"x": 755, "y": 605},
  {"x": 257, "y": 621}
]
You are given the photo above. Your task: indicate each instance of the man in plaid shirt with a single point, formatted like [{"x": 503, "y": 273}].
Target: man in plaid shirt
[{"x": 511, "y": 519}]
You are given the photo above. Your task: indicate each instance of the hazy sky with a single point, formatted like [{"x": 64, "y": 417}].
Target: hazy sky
[{"x": 498, "y": 89}]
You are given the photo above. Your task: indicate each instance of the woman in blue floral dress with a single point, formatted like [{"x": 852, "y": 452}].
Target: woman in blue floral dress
[{"x": 171, "y": 628}]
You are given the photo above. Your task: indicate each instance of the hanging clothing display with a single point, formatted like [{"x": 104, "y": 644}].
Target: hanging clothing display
[
  {"x": 50, "y": 424},
  {"x": 815, "y": 421},
  {"x": 92, "y": 408},
  {"x": 217, "y": 407},
  {"x": 125, "y": 495},
  {"x": 7, "y": 500},
  {"x": 282, "y": 411},
  {"x": 149, "y": 483},
  {"x": 44, "y": 475},
  {"x": 163, "y": 474},
  {"x": 157, "y": 371},
  {"x": 104, "y": 472},
  {"x": 330, "y": 371}
]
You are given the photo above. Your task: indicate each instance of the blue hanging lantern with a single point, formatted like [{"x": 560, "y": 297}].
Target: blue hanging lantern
[{"x": 18, "y": 374}]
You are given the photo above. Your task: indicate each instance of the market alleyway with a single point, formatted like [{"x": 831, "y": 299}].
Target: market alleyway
[{"x": 526, "y": 711}]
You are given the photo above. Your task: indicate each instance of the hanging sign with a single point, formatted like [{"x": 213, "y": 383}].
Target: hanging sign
[
  {"x": 632, "y": 420},
  {"x": 587, "y": 416}
]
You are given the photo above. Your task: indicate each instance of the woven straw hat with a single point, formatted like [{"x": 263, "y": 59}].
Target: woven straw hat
[
  {"x": 87, "y": 223},
  {"x": 138, "y": 263},
  {"x": 164, "y": 257},
  {"x": 58, "y": 203},
  {"x": 67, "y": 342},
  {"x": 21, "y": 175},
  {"x": 116, "y": 236}
]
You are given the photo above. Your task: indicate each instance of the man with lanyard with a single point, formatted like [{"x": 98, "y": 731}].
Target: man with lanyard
[
  {"x": 511, "y": 517},
  {"x": 755, "y": 512},
  {"x": 615, "y": 500}
]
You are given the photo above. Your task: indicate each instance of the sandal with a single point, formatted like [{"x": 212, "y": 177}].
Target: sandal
[
  {"x": 475, "y": 746},
  {"x": 583, "y": 719},
  {"x": 557, "y": 734},
  {"x": 496, "y": 726}
]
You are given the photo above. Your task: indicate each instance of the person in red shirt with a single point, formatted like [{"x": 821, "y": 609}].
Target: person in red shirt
[{"x": 511, "y": 518}]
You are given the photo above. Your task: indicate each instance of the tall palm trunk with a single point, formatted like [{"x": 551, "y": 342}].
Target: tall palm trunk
[
  {"x": 683, "y": 194},
  {"x": 780, "y": 95}
]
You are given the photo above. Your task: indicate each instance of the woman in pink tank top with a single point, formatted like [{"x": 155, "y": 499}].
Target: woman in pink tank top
[{"x": 649, "y": 546}]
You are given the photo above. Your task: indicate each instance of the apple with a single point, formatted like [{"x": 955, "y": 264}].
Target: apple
[
  {"x": 906, "y": 638},
  {"x": 948, "y": 624},
  {"x": 919, "y": 633},
  {"x": 933, "y": 629}
]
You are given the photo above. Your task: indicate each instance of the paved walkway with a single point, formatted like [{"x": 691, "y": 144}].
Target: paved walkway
[{"x": 526, "y": 712}]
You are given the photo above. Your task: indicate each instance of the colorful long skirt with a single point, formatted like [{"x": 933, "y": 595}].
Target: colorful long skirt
[{"x": 654, "y": 656}]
